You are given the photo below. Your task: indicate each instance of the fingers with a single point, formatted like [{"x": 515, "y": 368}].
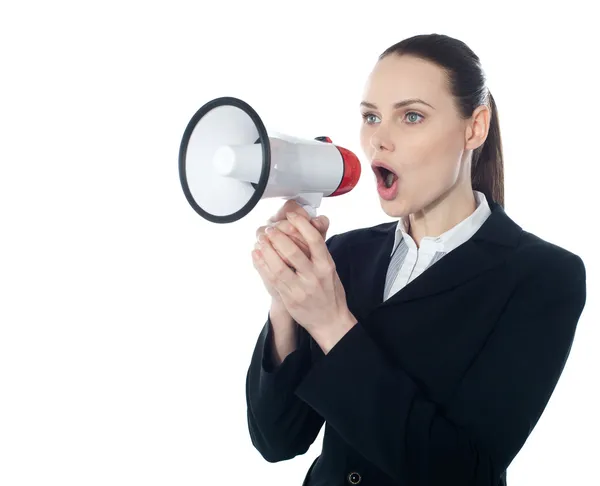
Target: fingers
[
  {"x": 290, "y": 231},
  {"x": 316, "y": 243},
  {"x": 263, "y": 269},
  {"x": 279, "y": 269},
  {"x": 283, "y": 225},
  {"x": 300, "y": 243},
  {"x": 321, "y": 223},
  {"x": 289, "y": 250},
  {"x": 290, "y": 206}
]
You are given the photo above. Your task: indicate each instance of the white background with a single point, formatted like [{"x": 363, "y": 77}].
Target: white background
[{"x": 124, "y": 341}]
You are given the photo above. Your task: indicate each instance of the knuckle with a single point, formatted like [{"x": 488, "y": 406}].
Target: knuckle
[
  {"x": 272, "y": 235},
  {"x": 311, "y": 238},
  {"x": 294, "y": 253},
  {"x": 278, "y": 271},
  {"x": 327, "y": 269},
  {"x": 300, "y": 298},
  {"x": 284, "y": 226},
  {"x": 313, "y": 284},
  {"x": 299, "y": 243}
]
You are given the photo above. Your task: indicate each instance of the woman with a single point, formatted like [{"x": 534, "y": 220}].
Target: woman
[{"x": 429, "y": 346}]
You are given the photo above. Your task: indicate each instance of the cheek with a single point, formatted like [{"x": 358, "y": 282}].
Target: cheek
[
  {"x": 441, "y": 148},
  {"x": 365, "y": 140},
  {"x": 432, "y": 158}
]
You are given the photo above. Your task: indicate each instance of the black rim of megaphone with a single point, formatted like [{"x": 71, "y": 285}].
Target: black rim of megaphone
[{"x": 263, "y": 138}]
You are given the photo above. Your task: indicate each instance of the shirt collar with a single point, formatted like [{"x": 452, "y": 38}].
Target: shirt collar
[{"x": 452, "y": 238}]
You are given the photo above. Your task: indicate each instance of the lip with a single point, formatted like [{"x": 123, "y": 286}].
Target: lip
[{"x": 385, "y": 165}]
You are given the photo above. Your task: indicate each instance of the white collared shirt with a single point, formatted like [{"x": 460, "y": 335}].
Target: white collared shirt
[{"x": 414, "y": 261}]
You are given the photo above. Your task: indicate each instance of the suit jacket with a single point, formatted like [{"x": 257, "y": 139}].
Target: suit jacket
[{"x": 439, "y": 385}]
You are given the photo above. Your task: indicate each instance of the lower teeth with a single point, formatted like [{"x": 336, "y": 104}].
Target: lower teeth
[{"x": 389, "y": 180}]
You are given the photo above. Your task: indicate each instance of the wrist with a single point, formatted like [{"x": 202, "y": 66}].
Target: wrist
[
  {"x": 280, "y": 317},
  {"x": 277, "y": 307},
  {"x": 329, "y": 336}
]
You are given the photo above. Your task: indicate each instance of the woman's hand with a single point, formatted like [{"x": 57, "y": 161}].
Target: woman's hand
[
  {"x": 282, "y": 224},
  {"x": 313, "y": 294}
]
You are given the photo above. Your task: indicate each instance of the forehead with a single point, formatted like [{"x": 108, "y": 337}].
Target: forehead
[{"x": 395, "y": 78}]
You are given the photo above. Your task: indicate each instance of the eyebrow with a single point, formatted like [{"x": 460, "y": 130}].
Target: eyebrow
[{"x": 397, "y": 105}]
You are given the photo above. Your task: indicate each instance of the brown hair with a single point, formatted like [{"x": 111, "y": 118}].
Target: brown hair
[{"x": 467, "y": 84}]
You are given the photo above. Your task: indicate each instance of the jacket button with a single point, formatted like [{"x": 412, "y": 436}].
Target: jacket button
[{"x": 354, "y": 478}]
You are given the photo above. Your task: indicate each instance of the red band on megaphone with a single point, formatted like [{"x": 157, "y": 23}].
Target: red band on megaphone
[{"x": 351, "y": 172}]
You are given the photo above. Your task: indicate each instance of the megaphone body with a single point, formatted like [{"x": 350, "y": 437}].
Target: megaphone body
[{"x": 228, "y": 162}]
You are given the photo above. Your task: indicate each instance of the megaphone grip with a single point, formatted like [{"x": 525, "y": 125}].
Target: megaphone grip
[{"x": 312, "y": 212}]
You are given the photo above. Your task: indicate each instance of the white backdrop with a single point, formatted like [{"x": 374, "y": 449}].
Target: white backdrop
[{"x": 128, "y": 321}]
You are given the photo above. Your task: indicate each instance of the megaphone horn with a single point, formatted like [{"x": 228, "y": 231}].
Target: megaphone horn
[{"x": 228, "y": 162}]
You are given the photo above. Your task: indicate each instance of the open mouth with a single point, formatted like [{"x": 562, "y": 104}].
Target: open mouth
[{"x": 385, "y": 176}]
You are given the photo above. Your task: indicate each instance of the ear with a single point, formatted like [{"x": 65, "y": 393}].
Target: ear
[{"x": 478, "y": 127}]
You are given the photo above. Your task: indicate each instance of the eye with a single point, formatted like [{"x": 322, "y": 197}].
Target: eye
[
  {"x": 368, "y": 118},
  {"x": 412, "y": 120},
  {"x": 411, "y": 116}
]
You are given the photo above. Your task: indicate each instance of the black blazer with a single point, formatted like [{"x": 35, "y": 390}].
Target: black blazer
[{"x": 441, "y": 384}]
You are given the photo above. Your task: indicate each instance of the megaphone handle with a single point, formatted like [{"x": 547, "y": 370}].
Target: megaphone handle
[{"x": 311, "y": 210}]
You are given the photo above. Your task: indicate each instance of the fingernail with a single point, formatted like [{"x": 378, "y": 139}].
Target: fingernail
[
  {"x": 269, "y": 229},
  {"x": 292, "y": 215}
]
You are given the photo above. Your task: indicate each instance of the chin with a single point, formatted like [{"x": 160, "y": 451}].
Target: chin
[{"x": 395, "y": 208}]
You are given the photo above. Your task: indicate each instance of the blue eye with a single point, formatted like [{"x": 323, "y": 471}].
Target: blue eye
[
  {"x": 367, "y": 116},
  {"x": 414, "y": 113},
  {"x": 413, "y": 120}
]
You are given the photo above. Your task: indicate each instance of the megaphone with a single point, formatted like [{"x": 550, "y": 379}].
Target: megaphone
[{"x": 228, "y": 162}]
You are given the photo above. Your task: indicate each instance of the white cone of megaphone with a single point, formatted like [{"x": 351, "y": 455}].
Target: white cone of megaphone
[{"x": 228, "y": 162}]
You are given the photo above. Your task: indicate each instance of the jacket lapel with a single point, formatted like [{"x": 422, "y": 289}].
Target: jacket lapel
[{"x": 369, "y": 260}]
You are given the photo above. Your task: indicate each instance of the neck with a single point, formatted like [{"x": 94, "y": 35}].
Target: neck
[{"x": 443, "y": 214}]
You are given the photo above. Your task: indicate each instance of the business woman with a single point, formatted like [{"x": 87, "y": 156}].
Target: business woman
[{"x": 429, "y": 346}]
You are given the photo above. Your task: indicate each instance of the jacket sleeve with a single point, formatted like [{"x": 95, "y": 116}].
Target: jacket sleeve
[
  {"x": 476, "y": 435},
  {"x": 281, "y": 425}
]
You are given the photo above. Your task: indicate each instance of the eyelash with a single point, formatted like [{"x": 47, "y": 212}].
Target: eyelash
[{"x": 366, "y": 115}]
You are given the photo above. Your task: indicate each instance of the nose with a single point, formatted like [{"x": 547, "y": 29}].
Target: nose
[{"x": 380, "y": 141}]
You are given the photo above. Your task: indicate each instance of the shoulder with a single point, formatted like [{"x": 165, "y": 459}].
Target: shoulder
[
  {"x": 537, "y": 256},
  {"x": 545, "y": 278}
]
